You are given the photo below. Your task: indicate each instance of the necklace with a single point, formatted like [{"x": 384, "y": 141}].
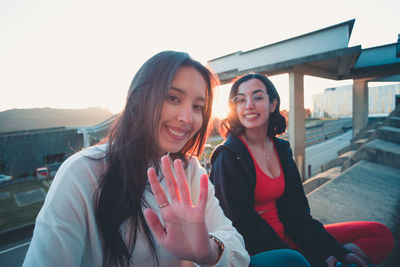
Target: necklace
[
  {"x": 260, "y": 151},
  {"x": 262, "y": 154},
  {"x": 266, "y": 149}
]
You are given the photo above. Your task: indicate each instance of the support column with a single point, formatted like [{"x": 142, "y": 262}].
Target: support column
[
  {"x": 297, "y": 120},
  {"x": 360, "y": 105},
  {"x": 86, "y": 137}
]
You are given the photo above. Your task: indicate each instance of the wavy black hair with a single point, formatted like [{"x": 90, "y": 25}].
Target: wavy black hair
[{"x": 232, "y": 125}]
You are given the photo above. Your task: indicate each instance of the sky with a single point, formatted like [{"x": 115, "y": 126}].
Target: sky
[{"x": 84, "y": 53}]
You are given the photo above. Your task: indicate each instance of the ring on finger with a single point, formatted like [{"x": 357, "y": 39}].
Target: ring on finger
[{"x": 164, "y": 205}]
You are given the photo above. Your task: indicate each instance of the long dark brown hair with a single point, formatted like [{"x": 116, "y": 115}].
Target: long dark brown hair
[
  {"x": 132, "y": 148},
  {"x": 232, "y": 125}
]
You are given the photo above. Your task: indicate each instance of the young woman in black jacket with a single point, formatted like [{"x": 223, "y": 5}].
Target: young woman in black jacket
[{"x": 260, "y": 190}]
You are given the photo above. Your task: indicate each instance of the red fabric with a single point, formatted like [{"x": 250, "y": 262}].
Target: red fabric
[
  {"x": 375, "y": 239},
  {"x": 268, "y": 190}
]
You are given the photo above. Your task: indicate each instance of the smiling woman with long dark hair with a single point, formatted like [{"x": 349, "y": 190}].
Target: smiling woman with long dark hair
[
  {"x": 260, "y": 190},
  {"x": 142, "y": 198}
]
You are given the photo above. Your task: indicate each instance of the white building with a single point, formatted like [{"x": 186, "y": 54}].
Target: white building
[{"x": 337, "y": 102}]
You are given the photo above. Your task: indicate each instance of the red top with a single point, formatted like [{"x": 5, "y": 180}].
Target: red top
[{"x": 268, "y": 190}]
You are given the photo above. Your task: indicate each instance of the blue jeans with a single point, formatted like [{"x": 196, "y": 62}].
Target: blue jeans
[{"x": 279, "y": 258}]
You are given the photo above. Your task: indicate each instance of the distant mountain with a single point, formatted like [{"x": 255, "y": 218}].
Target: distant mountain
[{"x": 28, "y": 119}]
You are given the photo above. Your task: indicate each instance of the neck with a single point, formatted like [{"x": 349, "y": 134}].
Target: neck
[{"x": 255, "y": 136}]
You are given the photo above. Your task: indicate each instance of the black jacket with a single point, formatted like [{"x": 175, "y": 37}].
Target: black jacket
[{"x": 234, "y": 177}]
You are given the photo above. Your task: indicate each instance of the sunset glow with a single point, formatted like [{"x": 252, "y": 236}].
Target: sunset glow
[
  {"x": 220, "y": 104},
  {"x": 50, "y": 60}
]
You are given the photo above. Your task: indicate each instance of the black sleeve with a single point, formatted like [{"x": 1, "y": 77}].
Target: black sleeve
[
  {"x": 308, "y": 233},
  {"x": 236, "y": 197}
]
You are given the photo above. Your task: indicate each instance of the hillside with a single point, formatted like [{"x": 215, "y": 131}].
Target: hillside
[{"x": 27, "y": 119}]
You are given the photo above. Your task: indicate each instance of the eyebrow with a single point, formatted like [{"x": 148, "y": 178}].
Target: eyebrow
[
  {"x": 258, "y": 91},
  {"x": 255, "y": 92},
  {"x": 181, "y": 91}
]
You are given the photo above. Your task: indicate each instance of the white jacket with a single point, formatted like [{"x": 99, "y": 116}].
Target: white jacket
[{"x": 66, "y": 233}]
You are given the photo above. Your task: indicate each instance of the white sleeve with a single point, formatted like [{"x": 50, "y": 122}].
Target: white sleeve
[
  {"x": 64, "y": 223},
  {"x": 220, "y": 226}
]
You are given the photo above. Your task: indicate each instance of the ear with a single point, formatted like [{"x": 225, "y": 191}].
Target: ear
[{"x": 273, "y": 105}]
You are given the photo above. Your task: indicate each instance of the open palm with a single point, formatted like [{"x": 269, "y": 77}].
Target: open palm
[{"x": 184, "y": 233}]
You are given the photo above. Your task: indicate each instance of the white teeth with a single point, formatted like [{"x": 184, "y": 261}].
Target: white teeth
[
  {"x": 251, "y": 116},
  {"x": 176, "y": 133}
]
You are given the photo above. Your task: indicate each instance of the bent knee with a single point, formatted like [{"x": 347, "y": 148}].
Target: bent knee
[{"x": 384, "y": 233}]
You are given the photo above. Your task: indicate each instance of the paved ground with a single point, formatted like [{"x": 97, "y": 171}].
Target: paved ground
[
  {"x": 14, "y": 255},
  {"x": 30, "y": 197},
  {"x": 365, "y": 192},
  {"x": 318, "y": 154}
]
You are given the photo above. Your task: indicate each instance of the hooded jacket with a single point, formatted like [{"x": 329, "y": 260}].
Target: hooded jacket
[{"x": 234, "y": 177}]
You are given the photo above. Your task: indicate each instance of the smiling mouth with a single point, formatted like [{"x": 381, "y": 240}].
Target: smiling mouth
[
  {"x": 250, "y": 116},
  {"x": 176, "y": 133}
]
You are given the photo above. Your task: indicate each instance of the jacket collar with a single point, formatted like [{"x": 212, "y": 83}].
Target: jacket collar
[{"x": 234, "y": 144}]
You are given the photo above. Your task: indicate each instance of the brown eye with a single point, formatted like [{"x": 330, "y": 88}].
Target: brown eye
[
  {"x": 199, "y": 107},
  {"x": 239, "y": 99},
  {"x": 258, "y": 97},
  {"x": 173, "y": 99}
]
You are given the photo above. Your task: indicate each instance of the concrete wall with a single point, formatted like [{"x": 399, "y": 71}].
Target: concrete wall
[
  {"x": 337, "y": 102},
  {"x": 23, "y": 151},
  {"x": 98, "y": 136}
]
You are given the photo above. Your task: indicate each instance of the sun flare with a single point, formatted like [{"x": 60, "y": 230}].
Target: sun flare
[{"x": 220, "y": 104}]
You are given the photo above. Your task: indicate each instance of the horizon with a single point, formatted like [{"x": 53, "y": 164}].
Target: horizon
[
  {"x": 217, "y": 111},
  {"x": 75, "y": 55}
]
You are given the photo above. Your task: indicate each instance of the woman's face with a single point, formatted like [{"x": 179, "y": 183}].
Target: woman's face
[
  {"x": 182, "y": 111},
  {"x": 253, "y": 105}
]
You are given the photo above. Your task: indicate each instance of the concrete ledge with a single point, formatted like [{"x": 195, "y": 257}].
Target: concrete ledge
[
  {"x": 373, "y": 123},
  {"x": 46, "y": 183},
  {"x": 365, "y": 192},
  {"x": 395, "y": 112},
  {"x": 394, "y": 122},
  {"x": 339, "y": 161},
  {"x": 383, "y": 152},
  {"x": 320, "y": 179},
  {"x": 29, "y": 197},
  {"x": 378, "y": 151},
  {"x": 356, "y": 157},
  {"x": 389, "y": 133},
  {"x": 360, "y": 142},
  {"x": 370, "y": 133},
  {"x": 372, "y": 136},
  {"x": 348, "y": 148},
  {"x": 364, "y": 132},
  {"x": 17, "y": 233}
]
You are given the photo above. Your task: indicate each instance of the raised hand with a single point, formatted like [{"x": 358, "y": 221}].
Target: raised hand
[{"x": 184, "y": 233}]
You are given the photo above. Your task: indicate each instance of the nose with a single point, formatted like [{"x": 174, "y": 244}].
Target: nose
[
  {"x": 185, "y": 114},
  {"x": 249, "y": 103}
]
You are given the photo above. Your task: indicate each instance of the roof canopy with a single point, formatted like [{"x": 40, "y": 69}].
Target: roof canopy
[{"x": 323, "y": 53}]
